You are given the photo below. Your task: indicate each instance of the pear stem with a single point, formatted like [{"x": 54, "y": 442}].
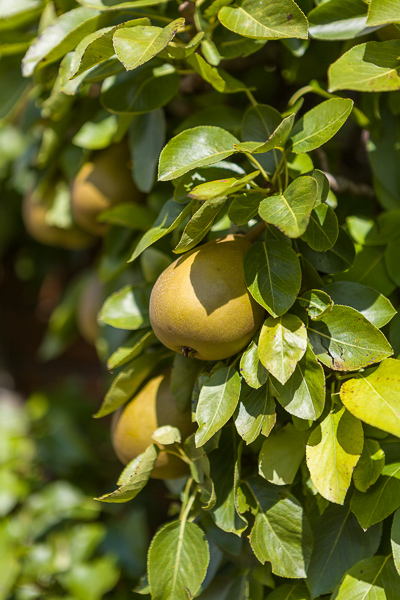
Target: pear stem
[{"x": 257, "y": 230}]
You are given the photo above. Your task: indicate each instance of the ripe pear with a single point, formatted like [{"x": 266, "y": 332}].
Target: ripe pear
[
  {"x": 100, "y": 184},
  {"x": 153, "y": 407},
  {"x": 200, "y": 304},
  {"x": 34, "y": 211}
]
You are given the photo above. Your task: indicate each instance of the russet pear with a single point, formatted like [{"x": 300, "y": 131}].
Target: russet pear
[
  {"x": 153, "y": 407},
  {"x": 101, "y": 183},
  {"x": 34, "y": 214},
  {"x": 200, "y": 304}
]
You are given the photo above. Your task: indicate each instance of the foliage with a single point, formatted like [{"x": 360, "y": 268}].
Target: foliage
[{"x": 278, "y": 120}]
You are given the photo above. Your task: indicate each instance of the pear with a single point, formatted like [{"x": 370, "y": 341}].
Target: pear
[
  {"x": 200, "y": 304},
  {"x": 153, "y": 407},
  {"x": 100, "y": 184},
  {"x": 89, "y": 305},
  {"x": 34, "y": 212}
]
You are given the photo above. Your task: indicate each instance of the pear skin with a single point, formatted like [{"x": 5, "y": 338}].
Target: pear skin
[
  {"x": 132, "y": 428},
  {"x": 100, "y": 184},
  {"x": 200, "y": 304}
]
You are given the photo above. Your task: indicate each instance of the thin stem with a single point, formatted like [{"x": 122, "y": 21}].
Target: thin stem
[
  {"x": 278, "y": 170},
  {"x": 257, "y": 165},
  {"x": 180, "y": 454},
  {"x": 251, "y": 98},
  {"x": 185, "y": 509}
]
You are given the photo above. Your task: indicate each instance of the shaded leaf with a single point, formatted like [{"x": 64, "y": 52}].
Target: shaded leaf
[
  {"x": 199, "y": 224},
  {"x": 273, "y": 275},
  {"x": 132, "y": 347},
  {"x": 220, "y": 80},
  {"x": 370, "y": 303},
  {"x": 323, "y": 229},
  {"x": 317, "y": 303},
  {"x": 282, "y": 454},
  {"x": 370, "y": 465},
  {"x": 338, "y": 258},
  {"x": 334, "y": 20},
  {"x": 146, "y": 139},
  {"x": 276, "y": 139},
  {"x": 339, "y": 543},
  {"x": 281, "y": 533},
  {"x": 177, "y": 561},
  {"x": 345, "y": 340},
  {"x": 303, "y": 394},
  {"x": 255, "y": 414},
  {"x": 381, "y": 500}
]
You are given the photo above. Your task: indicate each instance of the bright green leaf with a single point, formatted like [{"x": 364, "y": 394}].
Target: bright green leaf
[
  {"x": 370, "y": 465},
  {"x": 282, "y": 343},
  {"x": 373, "y": 578},
  {"x": 194, "y": 148},
  {"x": 128, "y": 308},
  {"x": 383, "y": 11},
  {"x": 323, "y": 229},
  {"x": 333, "y": 451},
  {"x": 374, "y": 396},
  {"x": 254, "y": 373},
  {"x": 255, "y": 414}
]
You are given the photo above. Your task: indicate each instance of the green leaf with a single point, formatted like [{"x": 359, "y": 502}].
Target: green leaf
[
  {"x": 220, "y": 80},
  {"x": 134, "y": 477},
  {"x": 368, "y": 67},
  {"x": 171, "y": 216},
  {"x": 167, "y": 435},
  {"x": 251, "y": 368},
  {"x": 91, "y": 580},
  {"x": 333, "y": 450},
  {"x": 259, "y": 124},
  {"x": 339, "y": 543},
  {"x": 194, "y": 148},
  {"x": 128, "y": 308},
  {"x": 335, "y": 20},
  {"x": 132, "y": 347},
  {"x": 59, "y": 38},
  {"x": 177, "y": 51},
  {"x": 369, "y": 268},
  {"x": 97, "y": 47},
  {"x": 146, "y": 139},
  {"x": 323, "y": 229},
  {"x": 117, "y": 4},
  {"x": 177, "y": 561},
  {"x": 281, "y": 533},
  {"x": 277, "y": 138},
  {"x": 199, "y": 224},
  {"x": 317, "y": 303},
  {"x": 149, "y": 87},
  {"x": 320, "y": 124},
  {"x": 383, "y": 230},
  {"x": 395, "y": 539},
  {"x": 282, "y": 343},
  {"x": 221, "y": 187},
  {"x": 370, "y": 465},
  {"x": 128, "y": 381},
  {"x": 373, "y": 578},
  {"x": 224, "y": 471},
  {"x": 183, "y": 376},
  {"x": 345, "y": 340},
  {"x": 223, "y": 169},
  {"x": 303, "y": 395},
  {"x": 291, "y": 211},
  {"x": 128, "y": 214},
  {"x": 255, "y": 414},
  {"x": 374, "y": 396},
  {"x": 281, "y": 19},
  {"x": 381, "y": 500},
  {"x": 273, "y": 275},
  {"x": 217, "y": 402},
  {"x": 392, "y": 260},
  {"x": 134, "y": 46},
  {"x": 290, "y": 591},
  {"x": 338, "y": 258},
  {"x": 370, "y": 303},
  {"x": 282, "y": 454},
  {"x": 383, "y": 11}
]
